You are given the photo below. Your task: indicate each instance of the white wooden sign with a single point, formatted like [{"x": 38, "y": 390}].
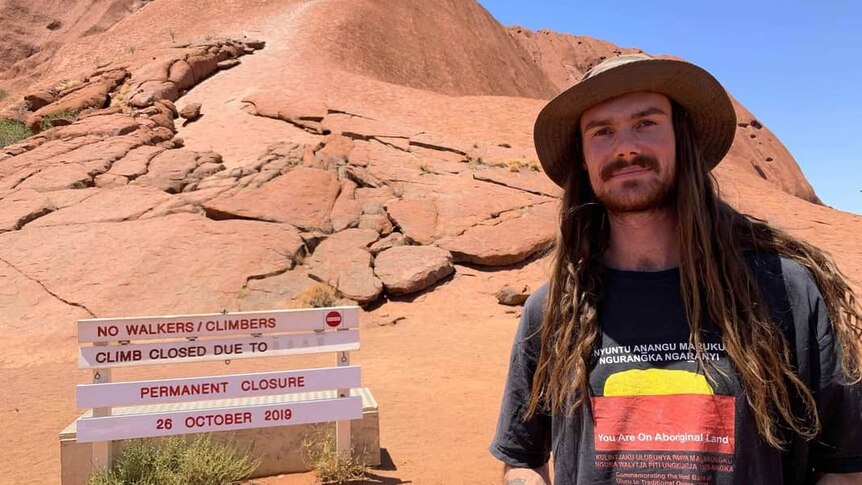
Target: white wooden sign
[
  {"x": 217, "y": 419},
  {"x": 103, "y": 356},
  {"x": 212, "y": 324},
  {"x": 217, "y": 387}
]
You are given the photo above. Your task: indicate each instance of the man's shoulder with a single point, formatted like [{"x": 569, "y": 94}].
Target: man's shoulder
[
  {"x": 788, "y": 287},
  {"x": 533, "y": 314},
  {"x": 536, "y": 300},
  {"x": 780, "y": 273}
]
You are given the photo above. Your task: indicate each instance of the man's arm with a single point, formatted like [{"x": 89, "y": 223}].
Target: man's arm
[
  {"x": 836, "y": 479},
  {"x": 518, "y": 442},
  {"x": 529, "y": 476}
]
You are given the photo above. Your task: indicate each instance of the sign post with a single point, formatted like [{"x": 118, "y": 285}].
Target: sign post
[
  {"x": 103, "y": 455},
  {"x": 342, "y": 428}
]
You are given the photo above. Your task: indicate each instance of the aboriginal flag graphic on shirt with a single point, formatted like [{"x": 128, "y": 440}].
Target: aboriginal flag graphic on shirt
[{"x": 662, "y": 425}]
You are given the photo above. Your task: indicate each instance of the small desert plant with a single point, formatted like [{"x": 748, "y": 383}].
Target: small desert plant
[
  {"x": 475, "y": 162},
  {"x": 66, "y": 84},
  {"x": 176, "y": 461},
  {"x": 173, "y": 35},
  {"x": 320, "y": 453},
  {"x": 21, "y": 111},
  {"x": 3, "y": 94},
  {"x": 12, "y": 131},
  {"x": 48, "y": 121},
  {"x": 424, "y": 168},
  {"x": 119, "y": 98},
  {"x": 319, "y": 295},
  {"x": 515, "y": 165}
]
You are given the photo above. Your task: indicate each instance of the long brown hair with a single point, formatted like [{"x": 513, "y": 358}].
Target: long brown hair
[{"x": 715, "y": 282}]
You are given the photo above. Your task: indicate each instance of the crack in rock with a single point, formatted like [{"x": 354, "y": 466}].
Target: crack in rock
[
  {"x": 437, "y": 148},
  {"x": 339, "y": 112},
  {"x": 277, "y": 272},
  {"x": 21, "y": 181},
  {"x": 70, "y": 303},
  {"x": 479, "y": 178}
]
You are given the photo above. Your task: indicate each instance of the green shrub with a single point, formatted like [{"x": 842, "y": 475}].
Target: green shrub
[
  {"x": 48, "y": 121},
  {"x": 13, "y": 132},
  {"x": 176, "y": 461}
]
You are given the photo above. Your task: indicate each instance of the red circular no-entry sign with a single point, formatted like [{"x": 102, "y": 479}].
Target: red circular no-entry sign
[{"x": 333, "y": 319}]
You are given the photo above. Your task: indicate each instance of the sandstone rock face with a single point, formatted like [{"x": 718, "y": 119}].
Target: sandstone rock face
[
  {"x": 156, "y": 266},
  {"x": 110, "y": 205},
  {"x": 452, "y": 34},
  {"x": 509, "y": 242},
  {"x": 91, "y": 95},
  {"x": 408, "y": 269},
  {"x": 344, "y": 262},
  {"x": 24, "y": 45},
  {"x": 39, "y": 99},
  {"x": 302, "y": 197},
  {"x": 346, "y": 210},
  {"x": 21, "y": 207},
  {"x": 174, "y": 170},
  {"x": 416, "y": 218}
]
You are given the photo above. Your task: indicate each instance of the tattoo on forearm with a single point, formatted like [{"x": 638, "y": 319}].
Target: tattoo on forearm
[{"x": 516, "y": 481}]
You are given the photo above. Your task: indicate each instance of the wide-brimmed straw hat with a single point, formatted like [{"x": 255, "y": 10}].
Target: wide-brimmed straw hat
[{"x": 702, "y": 96}]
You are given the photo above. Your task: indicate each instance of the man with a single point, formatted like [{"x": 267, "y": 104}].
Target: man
[{"x": 677, "y": 340}]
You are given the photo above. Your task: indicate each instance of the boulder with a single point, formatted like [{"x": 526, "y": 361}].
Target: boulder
[
  {"x": 408, "y": 269},
  {"x": 149, "y": 92},
  {"x": 191, "y": 111},
  {"x": 39, "y": 99},
  {"x": 378, "y": 222},
  {"x": 390, "y": 241},
  {"x": 346, "y": 210},
  {"x": 181, "y": 75},
  {"x": 503, "y": 244},
  {"x": 513, "y": 296},
  {"x": 344, "y": 262},
  {"x": 227, "y": 64},
  {"x": 168, "y": 170}
]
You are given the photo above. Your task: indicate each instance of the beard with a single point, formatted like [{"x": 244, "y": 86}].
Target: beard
[{"x": 636, "y": 195}]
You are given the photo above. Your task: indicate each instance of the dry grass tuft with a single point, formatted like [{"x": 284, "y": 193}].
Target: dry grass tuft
[
  {"x": 319, "y": 295},
  {"x": 320, "y": 453}
]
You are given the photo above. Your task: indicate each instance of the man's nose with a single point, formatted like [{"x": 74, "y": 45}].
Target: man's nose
[{"x": 626, "y": 146}]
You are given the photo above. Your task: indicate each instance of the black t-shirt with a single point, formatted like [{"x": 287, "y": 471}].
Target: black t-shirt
[{"x": 655, "y": 418}]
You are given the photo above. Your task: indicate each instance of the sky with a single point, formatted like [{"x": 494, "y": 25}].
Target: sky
[{"x": 796, "y": 65}]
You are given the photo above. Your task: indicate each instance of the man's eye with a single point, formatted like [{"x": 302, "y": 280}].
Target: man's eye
[
  {"x": 643, "y": 123},
  {"x": 602, "y": 132}
]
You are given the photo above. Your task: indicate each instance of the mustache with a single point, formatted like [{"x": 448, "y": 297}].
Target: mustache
[{"x": 611, "y": 168}]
